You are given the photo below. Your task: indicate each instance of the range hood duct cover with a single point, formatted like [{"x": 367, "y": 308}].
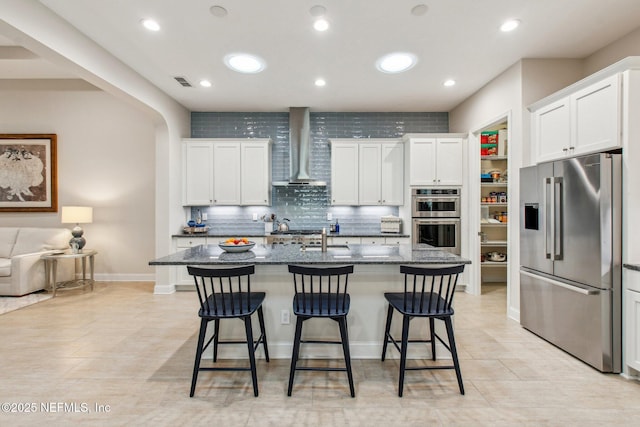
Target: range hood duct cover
[{"x": 299, "y": 148}]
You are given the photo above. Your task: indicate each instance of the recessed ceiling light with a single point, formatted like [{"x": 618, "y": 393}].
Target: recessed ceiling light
[
  {"x": 244, "y": 63},
  {"x": 396, "y": 62},
  {"x": 510, "y": 25},
  {"x": 419, "y": 10},
  {"x": 449, "y": 82},
  {"x": 321, "y": 24},
  {"x": 320, "y": 82},
  {"x": 151, "y": 25},
  {"x": 205, "y": 83},
  {"x": 218, "y": 11},
  {"x": 318, "y": 10}
]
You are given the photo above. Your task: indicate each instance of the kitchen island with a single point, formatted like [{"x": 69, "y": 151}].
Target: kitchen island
[
  {"x": 376, "y": 271},
  {"x": 299, "y": 254}
]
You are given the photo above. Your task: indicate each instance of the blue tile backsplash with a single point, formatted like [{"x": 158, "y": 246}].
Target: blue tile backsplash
[{"x": 306, "y": 207}]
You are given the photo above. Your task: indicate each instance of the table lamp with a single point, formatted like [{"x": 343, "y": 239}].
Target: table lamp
[{"x": 77, "y": 215}]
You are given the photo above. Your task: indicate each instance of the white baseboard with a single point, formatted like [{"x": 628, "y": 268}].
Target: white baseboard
[
  {"x": 513, "y": 314},
  {"x": 164, "y": 289},
  {"x": 124, "y": 277}
]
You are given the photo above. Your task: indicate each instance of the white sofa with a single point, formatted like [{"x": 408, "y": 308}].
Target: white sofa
[{"x": 21, "y": 269}]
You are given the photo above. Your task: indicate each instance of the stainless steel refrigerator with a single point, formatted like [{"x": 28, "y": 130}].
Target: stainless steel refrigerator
[{"x": 570, "y": 256}]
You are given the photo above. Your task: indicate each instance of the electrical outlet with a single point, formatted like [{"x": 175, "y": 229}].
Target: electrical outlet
[
  {"x": 204, "y": 216},
  {"x": 255, "y": 216},
  {"x": 329, "y": 216},
  {"x": 284, "y": 317}
]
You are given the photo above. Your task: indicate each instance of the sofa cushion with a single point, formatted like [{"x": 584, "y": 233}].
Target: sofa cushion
[
  {"x": 31, "y": 239},
  {"x": 5, "y": 267},
  {"x": 7, "y": 240}
]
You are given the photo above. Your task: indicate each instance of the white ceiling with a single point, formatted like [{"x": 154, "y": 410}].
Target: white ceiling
[{"x": 456, "y": 39}]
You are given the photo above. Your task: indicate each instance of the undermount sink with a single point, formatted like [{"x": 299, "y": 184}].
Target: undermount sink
[{"x": 319, "y": 248}]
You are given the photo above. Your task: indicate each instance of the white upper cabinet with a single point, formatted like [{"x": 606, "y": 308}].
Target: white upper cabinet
[
  {"x": 552, "y": 130},
  {"x": 255, "y": 166},
  {"x": 392, "y": 185},
  {"x": 370, "y": 174},
  {"x": 367, "y": 172},
  {"x": 344, "y": 173},
  {"x": 435, "y": 161},
  {"x": 381, "y": 177},
  {"x": 584, "y": 121},
  {"x": 596, "y": 116},
  {"x": 226, "y": 172},
  {"x": 197, "y": 167}
]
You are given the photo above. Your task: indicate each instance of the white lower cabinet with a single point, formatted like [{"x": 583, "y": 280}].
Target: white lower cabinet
[
  {"x": 180, "y": 244},
  {"x": 378, "y": 240},
  {"x": 397, "y": 240},
  {"x": 632, "y": 329},
  {"x": 372, "y": 240},
  {"x": 344, "y": 240},
  {"x": 631, "y": 319}
]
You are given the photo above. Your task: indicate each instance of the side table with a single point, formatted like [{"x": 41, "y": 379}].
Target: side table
[{"x": 51, "y": 267}]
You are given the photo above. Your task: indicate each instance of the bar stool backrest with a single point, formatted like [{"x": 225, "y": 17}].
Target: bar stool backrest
[
  {"x": 430, "y": 290},
  {"x": 223, "y": 291},
  {"x": 320, "y": 290}
]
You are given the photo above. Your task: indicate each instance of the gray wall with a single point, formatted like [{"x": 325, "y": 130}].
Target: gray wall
[{"x": 307, "y": 207}]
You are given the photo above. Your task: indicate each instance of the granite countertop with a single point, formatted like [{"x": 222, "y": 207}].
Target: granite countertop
[
  {"x": 292, "y": 254},
  {"x": 262, "y": 234}
]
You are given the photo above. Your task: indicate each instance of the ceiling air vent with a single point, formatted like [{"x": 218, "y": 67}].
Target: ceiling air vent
[{"x": 183, "y": 81}]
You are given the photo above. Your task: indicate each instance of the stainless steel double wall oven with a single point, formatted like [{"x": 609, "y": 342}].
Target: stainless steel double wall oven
[{"x": 436, "y": 217}]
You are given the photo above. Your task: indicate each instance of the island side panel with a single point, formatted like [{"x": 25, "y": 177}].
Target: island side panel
[{"x": 365, "y": 321}]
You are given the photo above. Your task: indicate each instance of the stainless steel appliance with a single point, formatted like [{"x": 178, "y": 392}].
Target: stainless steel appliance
[
  {"x": 570, "y": 255},
  {"x": 436, "y": 218},
  {"x": 435, "y": 203},
  {"x": 441, "y": 233}
]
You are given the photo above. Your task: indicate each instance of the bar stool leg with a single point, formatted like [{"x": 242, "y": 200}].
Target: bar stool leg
[
  {"x": 403, "y": 352},
  {"x": 342, "y": 323},
  {"x": 296, "y": 350},
  {"x": 454, "y": 352},
  {"x": 264, "y": 334},
  {"x": 196, "y": 364},
  {"x": 216, "y": 337},
  {"x": 252, "y": 355},
  {"x": 386, "y": 332},
  {"x": 432, "y": 332}
]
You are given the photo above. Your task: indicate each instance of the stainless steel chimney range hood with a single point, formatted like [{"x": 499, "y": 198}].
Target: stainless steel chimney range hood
[{"x": 299, "y": 150}]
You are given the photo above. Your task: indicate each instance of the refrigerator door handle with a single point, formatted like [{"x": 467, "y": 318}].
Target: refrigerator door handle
[
  {"x": 548, "y": 218},
  {"x": 561, "y": 284},
  {"x": 558, "y": 226}
]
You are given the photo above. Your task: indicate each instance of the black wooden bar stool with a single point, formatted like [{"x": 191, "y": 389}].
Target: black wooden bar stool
[
  {"x": 321, "y": 292},
  {"x": 428, "y": 293},
  {"x": 225, "y": 293}
]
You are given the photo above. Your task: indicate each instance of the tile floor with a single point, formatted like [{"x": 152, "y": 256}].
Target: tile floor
[{"x": 124, "y": 347}]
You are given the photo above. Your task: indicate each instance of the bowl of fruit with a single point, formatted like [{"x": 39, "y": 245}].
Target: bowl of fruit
[{"x": 234, "y": 244}]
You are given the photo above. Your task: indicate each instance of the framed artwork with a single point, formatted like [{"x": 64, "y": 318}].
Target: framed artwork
[{"x": 28, "y": 173}]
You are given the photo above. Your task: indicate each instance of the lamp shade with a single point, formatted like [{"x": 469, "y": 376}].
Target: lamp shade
[{"x": 77, "y": 215}]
